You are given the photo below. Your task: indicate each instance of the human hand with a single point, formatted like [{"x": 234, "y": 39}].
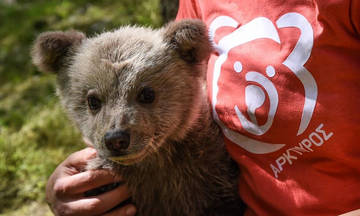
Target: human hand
[{"x": 66, "y": 187}]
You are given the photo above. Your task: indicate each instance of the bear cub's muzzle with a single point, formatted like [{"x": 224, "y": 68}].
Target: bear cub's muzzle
[{"x": 117, "y": 141}]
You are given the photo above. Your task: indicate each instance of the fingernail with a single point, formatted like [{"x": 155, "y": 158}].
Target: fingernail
[{"x": 130, "y": 211}]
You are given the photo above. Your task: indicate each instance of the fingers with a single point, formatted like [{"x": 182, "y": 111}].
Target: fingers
[
  {"x": 128, "y": 210},
  {"x": 80, "y": 158},
  {"x": 99, "y": 204},
  {"x": 84, "y": 181},
  {"x": 66, "y": 187}
]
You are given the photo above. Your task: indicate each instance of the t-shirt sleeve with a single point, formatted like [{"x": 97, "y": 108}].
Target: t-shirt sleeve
[
  {"x": 355, "y": 15},
  {"x": 187, "y": 10}
]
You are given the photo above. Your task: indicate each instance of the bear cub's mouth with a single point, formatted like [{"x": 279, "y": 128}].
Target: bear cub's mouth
[
  {"x": 128, "y": 158},
  {"x": 117, "y": 143}
]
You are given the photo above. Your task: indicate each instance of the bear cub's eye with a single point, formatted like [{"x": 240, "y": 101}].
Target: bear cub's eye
[
  {"x": 93, "y": 102},
  {"x": 146, "y": 95}
]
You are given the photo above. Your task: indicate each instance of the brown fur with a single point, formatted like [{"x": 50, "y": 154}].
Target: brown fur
[{"x": 176, "y": 163}]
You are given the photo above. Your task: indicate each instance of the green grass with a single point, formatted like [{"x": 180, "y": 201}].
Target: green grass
[
  {"x": 31, "y": 145},
  {"x": 35, "y": 134}
]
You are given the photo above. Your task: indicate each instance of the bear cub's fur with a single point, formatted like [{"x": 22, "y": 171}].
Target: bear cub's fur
[{"x": 138, "y": 95}]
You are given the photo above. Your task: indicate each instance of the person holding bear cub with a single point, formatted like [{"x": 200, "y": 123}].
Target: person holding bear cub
[{"x": 275, "y": 63}]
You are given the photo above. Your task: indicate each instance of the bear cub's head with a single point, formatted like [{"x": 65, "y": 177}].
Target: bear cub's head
[{"x": 130, "y": 90}]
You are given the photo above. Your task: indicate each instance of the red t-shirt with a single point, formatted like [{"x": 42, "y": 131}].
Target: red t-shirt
[{"x": 284, "y": 83}]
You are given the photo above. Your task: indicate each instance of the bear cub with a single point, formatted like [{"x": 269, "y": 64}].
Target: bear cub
[{"x": 139, "y": 96}]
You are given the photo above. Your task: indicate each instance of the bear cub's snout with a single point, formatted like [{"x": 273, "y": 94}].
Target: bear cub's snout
[{"x": 116, "y": 141}]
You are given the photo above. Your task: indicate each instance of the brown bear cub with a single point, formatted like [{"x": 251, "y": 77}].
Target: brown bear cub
[{"x": 138, "y": 95}]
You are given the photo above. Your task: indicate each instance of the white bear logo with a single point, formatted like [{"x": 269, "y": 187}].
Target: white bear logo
[{"x": 258, "y": 28}]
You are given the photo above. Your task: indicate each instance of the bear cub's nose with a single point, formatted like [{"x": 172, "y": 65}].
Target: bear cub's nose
[{"x": 117, "y": 140}]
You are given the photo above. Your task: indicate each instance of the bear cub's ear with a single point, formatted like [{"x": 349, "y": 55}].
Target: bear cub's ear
[
  {"x": 51, "y": 48},
  {"x": 190, "y": 39}
]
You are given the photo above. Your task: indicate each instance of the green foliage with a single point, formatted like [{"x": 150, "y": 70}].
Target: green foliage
[
  {"x": 29, "y": 155},
  {"x": 35, "y": 134},
  {"x": 21, "y": 22}
]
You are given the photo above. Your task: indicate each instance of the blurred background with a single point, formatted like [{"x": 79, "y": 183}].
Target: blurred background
[{"x": 35, "y": 134}]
